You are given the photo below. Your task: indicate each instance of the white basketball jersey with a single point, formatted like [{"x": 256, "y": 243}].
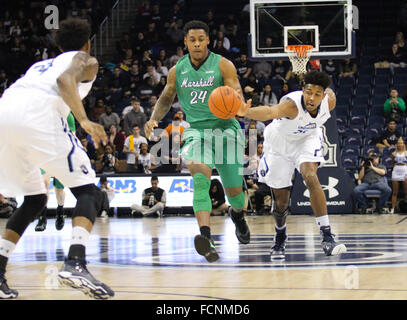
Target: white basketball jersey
[
  {"x": 41, "y": 78},
  {"x": 303, "y": 124}
]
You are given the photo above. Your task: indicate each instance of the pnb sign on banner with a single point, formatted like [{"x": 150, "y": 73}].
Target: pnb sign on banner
[
  {"x": 129, "y": 190},
  {"x": 334, "y": 180}
]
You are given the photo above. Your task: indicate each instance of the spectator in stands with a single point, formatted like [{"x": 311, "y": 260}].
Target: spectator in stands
[
  {"x": 285, "y": 90},
  {"x": 347, "y": 68},
  {"x": 262, "y": 71},
  {"x": 160, "y": 69},
  {"x": 151, "y": 35},
  {"x": 394, "y": 107},
  {"x": 219, "y": 48},
  {"x": 372, "y": 176},
  {"x": 153, "y": 201},
  {"x": 116, "y": 139},
  {"x": 109, "y": 119},
  {"x": 220, "y": 36},
  {"x": 210, "y": 21},
  {"x": 179, "y": 53},
  {"x": 135, "y": 76},
  {"x": 109, "y": 162},
  {"x": 146, "y": 161},
  {"x": 153, "y": 74},
  {"x": 244, "y": 68},
  {"x": 399, "y": 172},
  {"x": 162, "y": 56},
  {"x": 230, "y": 26},
  {"x": 331, "y": 69},
  {"x": 250, "y": 93},
  {"x": 175, "y": 34},
  {"x": 280, "y": 69},
  {"x": 90, "y": 151},
  {"x": 217, "y": 195},
  {"x": 4, "y": 82},
  {"x": 134, "y": 118},
  {"x": 140, "y": 44},
  {"x": 124, "y": 44},
  {"x": 175, "y": 125},
  {"x": 397, "y": 57},
  {"x": 120, "y": 79},
  {"x": 146, "y": 59},
  {"x": 7, "y": 206},
  {"x": 145, "y": 90},
  {"x": 400, "y": 42},
  {"x": 157, "y": 17},
  {"x": 267, "y": 96},
  {"x": 160, "y": 87},
  {"x": 389, "y": 136},
  {"x": 184, "y": 124},
  {"x": 132, "y": 148}
]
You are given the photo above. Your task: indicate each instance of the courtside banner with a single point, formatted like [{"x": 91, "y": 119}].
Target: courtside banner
[{"x": 129, "y": 190}]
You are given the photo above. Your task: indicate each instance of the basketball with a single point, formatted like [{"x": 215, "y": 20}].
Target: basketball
[{"x": 224, "y": 102}]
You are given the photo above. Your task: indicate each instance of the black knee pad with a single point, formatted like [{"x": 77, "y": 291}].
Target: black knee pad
[
  {"x": 27, "y": 213},
  {"x": 89, "y": 201}
]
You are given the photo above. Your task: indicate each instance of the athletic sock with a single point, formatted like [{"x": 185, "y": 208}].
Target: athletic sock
[
  {"x": 205, "y": 231},
  {"x": 79, "y": 239},
  {"x": 6, "y": 248},
  {"x": 60, "y": 210},
  {"x": 322, "y": 221}
]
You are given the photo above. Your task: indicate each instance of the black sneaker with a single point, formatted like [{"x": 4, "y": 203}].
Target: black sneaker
[
  {"x": 42, "y": 224},
  {"x": 242, "y": 229},
  {"x": 206, "y": 247},
  {"x": 278, "y": 249},
  {"x": 5, "y": 291},
  {"x": 75, "y": 275},
  {"x": 59, "y": 221},
  {"x": 330, "y": 247}
]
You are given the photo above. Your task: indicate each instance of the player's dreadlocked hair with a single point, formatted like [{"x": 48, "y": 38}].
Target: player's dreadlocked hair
[
  {"x": 73, "y": 33},
  {"x": 317, "y": 78},
  {"x": 196, "y": 24}
]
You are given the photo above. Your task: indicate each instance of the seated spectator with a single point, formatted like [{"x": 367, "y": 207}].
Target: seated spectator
[
  {"x": 7, "y": 206},
  {"x": 120, "y": 79},
  {"x": 153, "y": 74},
  {"x": 90, "y": 151},
  {"x": 244, "y": 68},
  {"x": 267, "y": 96},
  {"x": 140, "y": 44},
  {"x": 127, "y": 109},
  {"x": 145, "y": 90},
  {"x": 146, "y": 161},
  {"x": 135, "y": 117},
  {"x": 109, "y": 119},
  {"x": 220, "y": 37},
  {"x": 262, "y": 70},
  {"x": 230, "y": 26},
  {"x": 400, "y": 42},
  {"x": 399, "y": 172},
  {"x": 175, "y": 34},
  {"x": 153, "y": 201},
  {"x": 280, "y": 69},
  {"x": 160, "y": 86},
  {"x": 331, "y": 69},
  {"x": 372, "y": 176},
  {"x": 285, "y": 90},
  {"x": 175, "y": 126},
  {"x": 184, "y": 124},
  {"x": 394, "y": 107},
  {"x": 178, "y": 55},
  {"x": 397, "y": 58},
  {"x": 250, "y": 93},
  {"x": 108, "y": 160},
  {"x": 217, "y": 195},
  {"x": 162, "y": 56},
  {"x": 347, "y": 68},
  {"x": 161, "y": 69},
  {"x": 132, "y": 148},
  {"x": 108, "y": 195},
  {"x": 219, "y": 48},
  {"x": 389, "y": 136}
]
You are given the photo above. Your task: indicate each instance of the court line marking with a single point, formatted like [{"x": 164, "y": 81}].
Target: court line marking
[{"x": 401, "y": 220}]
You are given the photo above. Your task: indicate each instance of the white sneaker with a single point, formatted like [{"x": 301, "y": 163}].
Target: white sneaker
[
  {"x": 391, "y": 211},
  {"x": 104, "y": 215}
]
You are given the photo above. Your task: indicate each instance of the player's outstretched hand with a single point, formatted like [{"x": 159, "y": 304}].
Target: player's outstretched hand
[
  {"x": 244, "y": 107},
  {"x": 149, "y": 127},
  {"x": 96, "y": 131}
]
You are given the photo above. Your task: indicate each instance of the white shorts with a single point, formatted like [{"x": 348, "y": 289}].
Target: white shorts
[
  {"x": 34, "y": 135},
  {"x": 399, "y": 173},
  {"x": 283, "y": 156}
]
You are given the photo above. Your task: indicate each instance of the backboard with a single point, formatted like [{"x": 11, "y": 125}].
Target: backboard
[{"x": 327, "y": 25}]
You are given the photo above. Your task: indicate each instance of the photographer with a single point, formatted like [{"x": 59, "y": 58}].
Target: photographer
[
  {"x": 371, "y": 177},
  {"x": 153, "y": 201}
]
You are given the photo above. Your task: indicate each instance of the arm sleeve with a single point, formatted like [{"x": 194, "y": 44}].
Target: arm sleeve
[
  {"x": 402, "y": 105},
  {"x": 387, "y": 106}
]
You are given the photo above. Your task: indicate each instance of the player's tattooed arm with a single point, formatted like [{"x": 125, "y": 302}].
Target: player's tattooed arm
[
  {"x": 331, "y": 98},
  {"x": 83, "y": 68},
  {"x": 229, "y": 75},
  {"x": 285, "y": 109},
  {"x": 163, "y": 104}
]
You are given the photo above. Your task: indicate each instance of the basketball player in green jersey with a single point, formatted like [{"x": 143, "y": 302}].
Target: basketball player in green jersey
[
  {"x": 193, "y": 79},
  {"x": 59, "y": 192}
]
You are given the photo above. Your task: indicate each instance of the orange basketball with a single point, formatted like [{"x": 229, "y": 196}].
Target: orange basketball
[{"x": 224, "y": 102}]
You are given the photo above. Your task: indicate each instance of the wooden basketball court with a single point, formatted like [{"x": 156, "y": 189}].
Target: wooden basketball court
[{"x": 147, "y": 258}]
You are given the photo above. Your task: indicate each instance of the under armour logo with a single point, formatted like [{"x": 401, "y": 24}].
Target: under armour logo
[{"x": 332, "y": 192}]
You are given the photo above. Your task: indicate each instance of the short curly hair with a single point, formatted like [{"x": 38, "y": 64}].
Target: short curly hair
[
  {"x": 317, "y": 78},
  {"x": 196, "y": 24},
  {"x": 73, "y": 34}
]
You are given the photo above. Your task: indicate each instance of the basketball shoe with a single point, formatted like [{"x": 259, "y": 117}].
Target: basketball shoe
[
  {"x": 330, "y": 247},
  {"x": 75, "y": 275},
  {"x": 242, "y": 229},
  {"x": 60, "y": 218},
  {"x": 5, "y": 291},
  {"x": 42, "y": 224},
  {"x": 206, "y": 247},
  {"x": 278, "y": 249}
]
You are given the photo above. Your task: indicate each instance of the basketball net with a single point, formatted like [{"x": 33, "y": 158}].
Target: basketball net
[{"x": 299, "y": 56}]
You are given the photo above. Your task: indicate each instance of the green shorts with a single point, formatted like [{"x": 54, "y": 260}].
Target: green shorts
[
  {"x": 222, "y": 148},
  {"x": 57, "y": 184}
]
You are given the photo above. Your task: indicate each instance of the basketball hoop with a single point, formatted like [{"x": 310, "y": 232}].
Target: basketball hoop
[{"x": 299, "y": 56}]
